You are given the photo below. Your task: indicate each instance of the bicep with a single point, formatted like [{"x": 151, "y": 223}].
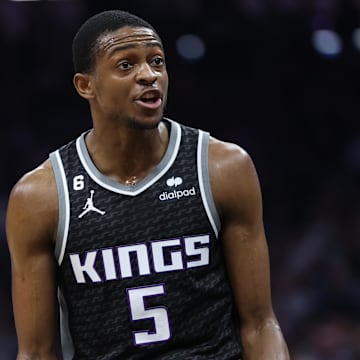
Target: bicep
[
  {"x": 243, "y": 236},
  {"x": 247, "y": 261},
  {"x": 33, "y": 272},
  {"x": 34, "y": 304}
]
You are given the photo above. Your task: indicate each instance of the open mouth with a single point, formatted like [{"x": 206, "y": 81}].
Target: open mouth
[
  {"x": 150, "y": 102},
  {"x": 149, "y": 99}
]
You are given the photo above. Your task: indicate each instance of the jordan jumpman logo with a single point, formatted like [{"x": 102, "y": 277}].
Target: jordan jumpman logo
[{"x": 89, "y": 206}]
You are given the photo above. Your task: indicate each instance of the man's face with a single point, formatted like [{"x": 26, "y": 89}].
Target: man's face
[{"x": 130, "y": 80}]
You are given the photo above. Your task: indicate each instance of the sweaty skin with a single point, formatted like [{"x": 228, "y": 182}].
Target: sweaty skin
[{"x": 128, "y": 140}]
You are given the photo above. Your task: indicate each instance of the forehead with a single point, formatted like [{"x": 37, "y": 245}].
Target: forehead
[{"x": 127, "y": 37}]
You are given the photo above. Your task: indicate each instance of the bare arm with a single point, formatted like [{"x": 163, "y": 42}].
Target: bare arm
[
  {"x": 30, "y": 227},
  {"x": 238, "y": 198}
]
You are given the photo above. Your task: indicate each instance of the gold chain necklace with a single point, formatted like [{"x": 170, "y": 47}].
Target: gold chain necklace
[{"x": 132, "y": 181}]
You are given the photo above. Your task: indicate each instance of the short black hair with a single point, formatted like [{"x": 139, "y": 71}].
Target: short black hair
[{"x": 84, "y": 46}]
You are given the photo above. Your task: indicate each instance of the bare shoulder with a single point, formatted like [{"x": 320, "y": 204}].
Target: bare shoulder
[
  {"x": 228, "y": 155},
  {"x": 33, "y": 203},
  {"x": 233, "y": 175},
  {"x": 35, "y": 186},
  {"x": 229, "y": 163}
]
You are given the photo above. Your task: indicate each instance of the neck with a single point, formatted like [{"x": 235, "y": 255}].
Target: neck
[{"x": 127, "y": 155}]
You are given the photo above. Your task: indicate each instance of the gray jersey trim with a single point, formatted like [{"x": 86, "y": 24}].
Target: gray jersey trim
[
  {"x": 204, "y": 181},
  {"x": 64, "y": 205},
  {"x": 61, "y": 240},
  {"x": 151, "y": 178},
  {"x": 67, "y": 346}
]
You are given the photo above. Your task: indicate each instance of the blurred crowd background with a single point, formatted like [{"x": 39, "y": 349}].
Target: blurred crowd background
[{"x": 279, "y": 77}]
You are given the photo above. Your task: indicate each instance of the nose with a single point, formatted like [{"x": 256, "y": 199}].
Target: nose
[{"x": 146, "y": 74}]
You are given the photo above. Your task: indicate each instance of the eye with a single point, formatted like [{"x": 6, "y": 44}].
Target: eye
[
  {"x": 124, "y": 65},
  {"x": 158, "y": 61}
]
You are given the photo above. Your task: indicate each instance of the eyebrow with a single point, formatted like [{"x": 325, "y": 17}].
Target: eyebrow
[{"x": 116, "y": 48}]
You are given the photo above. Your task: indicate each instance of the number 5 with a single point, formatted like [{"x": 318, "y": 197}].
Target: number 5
[{"x": 139, "y": 311}]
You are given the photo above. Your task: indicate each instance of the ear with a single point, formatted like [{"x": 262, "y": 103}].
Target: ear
[{"x": 82, "y": 83}]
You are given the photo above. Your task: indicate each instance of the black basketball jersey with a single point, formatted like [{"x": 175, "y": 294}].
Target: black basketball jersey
[{"x": 141, "y": 273}]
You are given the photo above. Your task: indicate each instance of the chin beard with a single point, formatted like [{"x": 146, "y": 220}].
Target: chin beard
[{"x": 138, "y": 124}]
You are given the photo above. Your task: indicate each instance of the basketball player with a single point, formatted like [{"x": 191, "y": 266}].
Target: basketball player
[{"x": 144, "y": 235}]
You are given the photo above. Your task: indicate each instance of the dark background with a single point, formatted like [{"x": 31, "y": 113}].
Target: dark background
[{"x": 261, "y": 84}]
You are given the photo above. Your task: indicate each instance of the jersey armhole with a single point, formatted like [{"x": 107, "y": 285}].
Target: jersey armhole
[
  {"x": 204, "y": 181},
  {"x": 64, "y": 205}
]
